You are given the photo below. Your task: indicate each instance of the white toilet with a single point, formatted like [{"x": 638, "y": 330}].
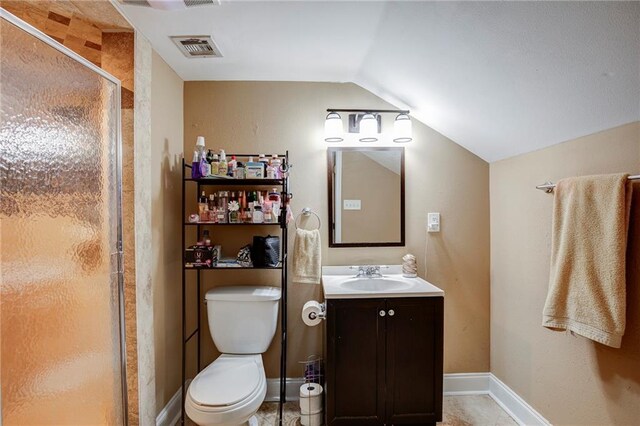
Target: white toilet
[{"x": 242, "y": 321}]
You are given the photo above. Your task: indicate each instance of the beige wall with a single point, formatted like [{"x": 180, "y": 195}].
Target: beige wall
[
  {"x": 378, "y": 190},
  {"x": 569, "y": 380},
  {"x": 441, "y": 176},
  {"x": 166, "y": 142}
]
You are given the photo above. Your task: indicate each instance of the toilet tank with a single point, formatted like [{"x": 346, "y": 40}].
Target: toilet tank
[{"x": 242, "y": 319}]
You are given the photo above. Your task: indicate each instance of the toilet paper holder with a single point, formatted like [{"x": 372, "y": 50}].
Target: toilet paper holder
[{"x": 322, "y": 315}]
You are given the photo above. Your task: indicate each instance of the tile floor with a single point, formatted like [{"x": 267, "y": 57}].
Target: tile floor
[{"x": 469, "y": 410}]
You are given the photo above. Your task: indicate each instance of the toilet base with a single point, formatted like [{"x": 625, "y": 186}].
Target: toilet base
[{"x": 253, "y": 421}]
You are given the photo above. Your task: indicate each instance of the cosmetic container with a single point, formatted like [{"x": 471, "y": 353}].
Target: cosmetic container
[{"x": 258, "y": 216}]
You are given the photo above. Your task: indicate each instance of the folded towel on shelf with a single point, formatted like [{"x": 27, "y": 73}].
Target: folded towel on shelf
[
  {"x": 587, "y": 285},
  {"x": 306, "y": 257}
]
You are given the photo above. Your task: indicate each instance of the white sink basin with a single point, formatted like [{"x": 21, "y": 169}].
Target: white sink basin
[
  {"x": 339, "y": 282},
  {"x": 383, "y": 284}
]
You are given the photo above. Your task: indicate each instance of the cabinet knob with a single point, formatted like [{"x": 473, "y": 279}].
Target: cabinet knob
[
  {"x": 382, "y": 313},
  {"x": 391, "y": 312}
]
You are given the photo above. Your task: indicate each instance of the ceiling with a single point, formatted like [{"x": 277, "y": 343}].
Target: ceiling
[{"x": 499, "y": 78}]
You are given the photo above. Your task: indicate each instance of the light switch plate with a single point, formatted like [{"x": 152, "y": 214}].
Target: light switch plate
[
  {"x": 351, "y": 205},
  {"x": 433, "y": 222}
]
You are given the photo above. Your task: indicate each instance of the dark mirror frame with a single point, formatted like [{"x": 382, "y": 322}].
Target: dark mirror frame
[{"x": 331, "y": 165}]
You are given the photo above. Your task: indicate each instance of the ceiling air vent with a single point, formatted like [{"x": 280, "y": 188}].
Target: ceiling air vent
[
  {"x": 197, "y": 46},
  {"x": 171, "y": 4},
  {"x": 190, "y": 3}
]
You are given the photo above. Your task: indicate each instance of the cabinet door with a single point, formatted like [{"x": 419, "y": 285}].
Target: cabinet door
[
  {"x": 355, "y": 362},
  {"x": 414, "y": 360}
]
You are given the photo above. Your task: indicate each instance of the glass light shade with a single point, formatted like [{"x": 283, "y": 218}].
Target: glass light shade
[
  {"x": 333, "y": 128},
  {"x": 368, "y": 128},
  {"x": 402, "y": 131}
]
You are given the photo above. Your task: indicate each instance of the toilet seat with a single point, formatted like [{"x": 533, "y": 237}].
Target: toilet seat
[
  {"x": 228, "y": 391},
  {"x": 226, "y": 381}
]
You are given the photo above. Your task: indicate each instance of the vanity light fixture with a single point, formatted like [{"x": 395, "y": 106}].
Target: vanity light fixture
[
  {"x": 402, "y": 129},
  {"x": 333, "y": 131},
  {"x": 368, "y": 128},
  {"x": 367, "y": 123}
]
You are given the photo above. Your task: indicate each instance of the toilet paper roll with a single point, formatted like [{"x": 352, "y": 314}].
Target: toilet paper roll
[
  {"x": 310, "y": 398},
  {"x": 308, "y": 390},
  {"x": 311, "y": 313}
]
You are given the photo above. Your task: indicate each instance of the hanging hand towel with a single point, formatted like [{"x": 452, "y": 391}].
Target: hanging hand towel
[
  {"x": 306, "y": 257},
  {"x": 587, "y": 286}
]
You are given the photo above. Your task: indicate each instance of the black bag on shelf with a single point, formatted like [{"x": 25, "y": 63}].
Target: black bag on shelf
[{"x": 265, "y": 251}]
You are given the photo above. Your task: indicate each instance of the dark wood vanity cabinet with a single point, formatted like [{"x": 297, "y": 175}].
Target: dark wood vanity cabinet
[{"x": 384, "y": 361}]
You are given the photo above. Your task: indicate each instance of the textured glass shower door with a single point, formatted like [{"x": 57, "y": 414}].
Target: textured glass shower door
[{"x": 60, "y": 228}]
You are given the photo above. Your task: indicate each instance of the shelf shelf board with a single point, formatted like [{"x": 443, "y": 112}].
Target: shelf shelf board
[
  {"x": 231, "y": 224},
  {"x": 237, "y": 182},
  {"x": 230, "y": 268}
]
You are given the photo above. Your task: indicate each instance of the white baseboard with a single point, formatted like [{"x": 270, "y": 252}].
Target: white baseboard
[
  {"x": 454, "y": 384},
  {"x": 170, "y": 414},
  {"x": 466, "y": 384},
  {"x": 292, "y": 386},
  {"x": 513, "y": 404}
]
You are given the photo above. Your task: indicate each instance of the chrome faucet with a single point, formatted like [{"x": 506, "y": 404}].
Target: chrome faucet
[{"x": 368, "y": 271}]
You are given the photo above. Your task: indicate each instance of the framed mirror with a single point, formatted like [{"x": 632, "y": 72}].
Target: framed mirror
[{"x": 366, "y": 197}]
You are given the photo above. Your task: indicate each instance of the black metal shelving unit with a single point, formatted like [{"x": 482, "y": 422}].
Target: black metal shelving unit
[{"x": 283, "y": 184}]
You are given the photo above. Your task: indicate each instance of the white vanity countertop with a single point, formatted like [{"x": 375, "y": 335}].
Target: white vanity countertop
[{"x": 340, "y": 282}]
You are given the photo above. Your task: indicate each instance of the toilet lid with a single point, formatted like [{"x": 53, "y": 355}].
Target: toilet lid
[{"x": 227, "y": 381}]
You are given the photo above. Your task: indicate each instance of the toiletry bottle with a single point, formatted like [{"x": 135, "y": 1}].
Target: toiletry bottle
[
  {"x": 242, "y": 199},
  {"x": 201, "y": 153},
  {"x": 233, "y": 208},
  {"x": 267, "y": 208},
  {"x": 223, "y": 201},
  {"x": 206, "y": 239},
  {"x": 239, "y": 172},
  {"x": 255, "y": 169},
  {"x": 223, "y": 167},
  {"x": 232, "y": 166},
  {"x": 246, "y": 216},
  {"x": 212, "y": 208},
  {"x": 274, "y": 195},
  {"x": 265, "y": 162},
  {"x": 215, "y": 165},
  {"x": 258, "y": 217},
  {"x": 276, "y": 163},
  {"x": 195, "y": 166},
  {"x": 205, "y": 166},
  {"x": 210, "y": 160},
  {"x": 203, "y": 206},
  {"x": 271, "y": 172},
  {"x": 276, "y": 203},
  {"x": 250, "y": 199}
]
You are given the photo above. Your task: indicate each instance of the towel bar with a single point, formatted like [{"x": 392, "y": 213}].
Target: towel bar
[{"x": 548, "y": 186}]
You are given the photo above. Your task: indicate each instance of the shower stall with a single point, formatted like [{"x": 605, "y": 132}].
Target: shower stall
[{"x": 61, "y": 301}]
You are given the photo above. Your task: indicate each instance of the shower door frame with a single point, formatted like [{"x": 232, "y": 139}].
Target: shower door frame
[{"x": 12, "y": 19}]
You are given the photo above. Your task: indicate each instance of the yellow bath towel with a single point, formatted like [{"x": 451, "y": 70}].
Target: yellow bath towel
[
  {"x": 587, "y": 286},
  {"x": 306, "y": 257}
]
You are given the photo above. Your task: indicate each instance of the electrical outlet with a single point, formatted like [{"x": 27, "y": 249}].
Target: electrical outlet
[
  {"x": 433, "y": 222},
  {"x": 351, "y": 205}
]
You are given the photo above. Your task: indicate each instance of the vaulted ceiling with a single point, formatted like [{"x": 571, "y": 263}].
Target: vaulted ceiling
[{"x": 499, "y": 78}]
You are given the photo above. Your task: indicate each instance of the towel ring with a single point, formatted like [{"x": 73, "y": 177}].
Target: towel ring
[{"x": 306, "y": 212}]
